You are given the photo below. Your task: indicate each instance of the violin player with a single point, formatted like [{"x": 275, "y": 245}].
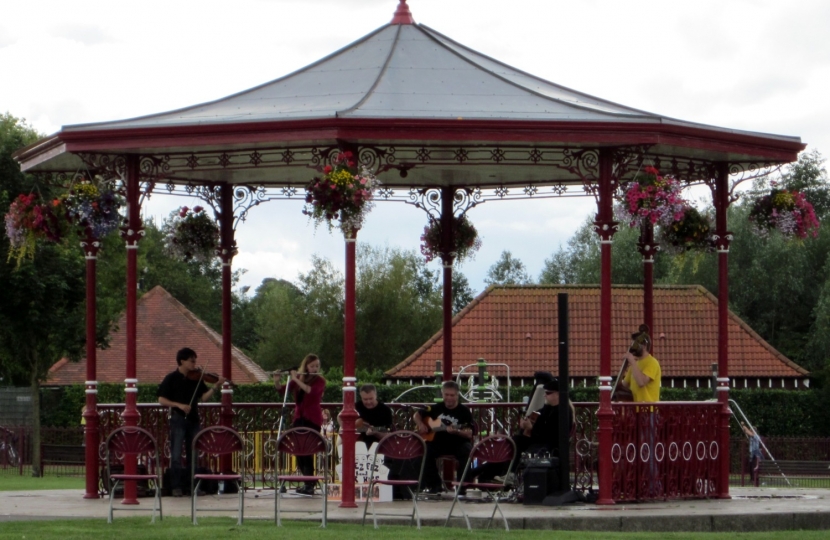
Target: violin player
[
  {"x": 182, "y": 392},
  {"x": 308, "y": 386}
]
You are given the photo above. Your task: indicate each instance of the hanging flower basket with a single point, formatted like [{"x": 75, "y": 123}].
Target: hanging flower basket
[
  {"x": 191, "y": 235},
  {"x": 787, "y": 211},
  {"x": 28, "y": 222},
  {"x": 93, "y": 206},
  {"x": 465, "y": 239},
  {"x": 341, "y": 194},
  {"x": 691, "y": 232},
  {"x": 650, "y": 198}
]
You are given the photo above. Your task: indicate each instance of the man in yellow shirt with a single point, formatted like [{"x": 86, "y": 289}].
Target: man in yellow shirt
[{"x": 643, "y": 377}]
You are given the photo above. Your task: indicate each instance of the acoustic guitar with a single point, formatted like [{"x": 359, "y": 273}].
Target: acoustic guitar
[
  {"x": 435, "y": 425},
  {"x": 360, "y": 426}
]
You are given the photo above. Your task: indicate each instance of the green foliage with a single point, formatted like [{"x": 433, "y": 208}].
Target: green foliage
[
  {"x": 508, "y": 270},
  {"x": 462, "y": 293},
  {"x": 579, "y": 262},
  {"x": 293, "y": 320},
  {"x": 398, "y": 305},
  {"x": 398, "y": 308},
  {"x": 809, "y": 176}
]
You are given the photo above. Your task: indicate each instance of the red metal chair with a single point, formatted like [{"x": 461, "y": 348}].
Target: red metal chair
[
  {"x": 403, "y": 445},
  {"x": 218, "y": 441},
  {"x": 492, "y": 449},
  {"x": 302, "y": 441},
  {"x": 134, "y": 441}
]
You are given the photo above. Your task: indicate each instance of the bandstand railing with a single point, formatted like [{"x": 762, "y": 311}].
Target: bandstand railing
[{"x": 665, "y": 450}]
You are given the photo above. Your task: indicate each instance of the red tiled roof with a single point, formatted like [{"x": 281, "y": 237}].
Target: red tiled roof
[
  {"x": 518, "y": 326},
  {"x": 164, "y": 327}
]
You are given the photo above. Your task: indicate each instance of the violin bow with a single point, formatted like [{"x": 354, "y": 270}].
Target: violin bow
[{"x": 198, "y": 384}]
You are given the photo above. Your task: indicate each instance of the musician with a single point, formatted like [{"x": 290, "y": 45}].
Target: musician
[
  {"x": 308, "y": 386},
  {"x": 375, "y": 416},
  {"x": 454, "y": 438},
  {"x": 539, "y": 433},
  {"x": 182, "y": 395},
  {"x": 643, "y": 376}
]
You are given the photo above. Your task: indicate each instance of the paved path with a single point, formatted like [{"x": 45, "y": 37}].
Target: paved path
[{"x": 749, "y": 510}]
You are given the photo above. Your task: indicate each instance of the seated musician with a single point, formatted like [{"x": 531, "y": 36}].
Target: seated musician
[
  {"x": 539, "y": 431},
  {"x": 447, "y": 426},
  {"x": 375, "y": 416}
]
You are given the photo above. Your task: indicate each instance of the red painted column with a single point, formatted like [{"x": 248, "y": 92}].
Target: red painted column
[
  {"x": 647, "y": 248},
  {"x": 227, "y": 251},
  {"x": 349, "y": 415},
  {"x": 90, "y": 246},
  {"x": 447, "y": 257},
  {"x": 605, "y": 227},
  {"x": 722, "y": 239},
  {"x": 132, "y": 234}
]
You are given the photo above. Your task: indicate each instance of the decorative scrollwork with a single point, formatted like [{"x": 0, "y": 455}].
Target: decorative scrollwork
[
  {"x": 428, "y": 200},
  {"x": 465, "y": 199}
]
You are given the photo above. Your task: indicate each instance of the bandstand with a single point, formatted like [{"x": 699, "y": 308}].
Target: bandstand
[{"x": 444, "y": 128}]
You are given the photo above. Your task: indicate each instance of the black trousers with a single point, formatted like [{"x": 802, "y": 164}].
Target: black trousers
[
  {"x": 455, "y": 446},
  {"x": 306, "y": 463}
]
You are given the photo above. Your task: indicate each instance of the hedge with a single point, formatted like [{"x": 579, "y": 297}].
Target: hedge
[{"x": 776, "y": 413}]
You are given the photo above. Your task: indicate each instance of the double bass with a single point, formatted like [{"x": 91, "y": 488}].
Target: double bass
[{"x": 639, "y": 339}]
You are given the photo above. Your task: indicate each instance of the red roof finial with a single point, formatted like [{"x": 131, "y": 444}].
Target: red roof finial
[{"x": 402, "y": 14}]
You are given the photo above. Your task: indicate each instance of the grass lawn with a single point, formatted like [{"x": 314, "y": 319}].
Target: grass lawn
[
  {"x": 26, "y": 482},
  {"x": 181, "y": 529}
]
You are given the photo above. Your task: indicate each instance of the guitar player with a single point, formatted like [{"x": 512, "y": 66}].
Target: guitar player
[
  {"x": 447, "y": 424},
  {"x": 375, "y": 420}
]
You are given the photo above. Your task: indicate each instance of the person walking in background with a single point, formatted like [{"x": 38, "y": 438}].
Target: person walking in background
[{"x": 755, "y": 454}]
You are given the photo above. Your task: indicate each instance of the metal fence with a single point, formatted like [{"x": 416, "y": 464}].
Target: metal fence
[{"x": 668, "y": 450}]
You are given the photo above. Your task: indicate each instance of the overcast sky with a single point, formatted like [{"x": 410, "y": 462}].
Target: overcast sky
[{"x": 746, "y": 64}]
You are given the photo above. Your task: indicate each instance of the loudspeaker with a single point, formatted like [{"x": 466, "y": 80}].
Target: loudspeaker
[{"x": 539, "y": 482}]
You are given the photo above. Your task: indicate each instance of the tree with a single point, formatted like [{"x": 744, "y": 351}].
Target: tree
[
  {"x": 398, "y": 308},
  {"x": 462, "y": 293},
  {"x": 809, "y": 176},
  {"x": 508, "y": 271},
  {"x": 399, "y": 305},
  {"x": 295, "y": 319},
  {"x": 580, "y": 261},
  {"x": 42, "y": 300}
]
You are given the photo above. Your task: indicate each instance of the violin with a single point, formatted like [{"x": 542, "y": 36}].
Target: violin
[{"x": 206, "y": 376}]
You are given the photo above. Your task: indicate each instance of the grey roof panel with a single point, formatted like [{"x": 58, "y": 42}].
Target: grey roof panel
[
  {"x": 399, "y": 71},
  {"x": 404, "y": 71}
]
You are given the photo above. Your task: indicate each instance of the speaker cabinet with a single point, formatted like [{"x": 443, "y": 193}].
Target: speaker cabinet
[{"x": 539, "y": 482}]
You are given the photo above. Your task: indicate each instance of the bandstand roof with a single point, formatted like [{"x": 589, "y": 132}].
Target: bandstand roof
[{"x": 422, "y": 104}]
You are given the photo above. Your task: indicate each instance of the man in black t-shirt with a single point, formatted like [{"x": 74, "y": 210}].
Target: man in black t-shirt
[
  {"x": 452, "y": 437},
  {"x": 375, "y": 417},
  {"x": 183, "y": 395}
]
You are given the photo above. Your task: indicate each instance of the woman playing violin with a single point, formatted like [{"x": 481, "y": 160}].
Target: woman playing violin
[
  {"x": 308, "y": 386},
  {"x": 182, "y": 394}
]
